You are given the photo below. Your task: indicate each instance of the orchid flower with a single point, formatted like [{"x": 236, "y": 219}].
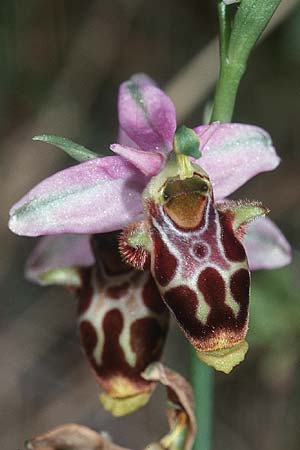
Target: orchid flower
[
  {"x": 121, "y": 317},
  {"x": 173, "y": 213}
]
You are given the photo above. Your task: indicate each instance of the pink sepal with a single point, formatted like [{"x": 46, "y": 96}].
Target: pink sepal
[
  {"x": 146, "y": 114},
  {"x": 58, "y": 252},
  {"x": 97, "y": 196},
  {"x": 265, "y": 245}
]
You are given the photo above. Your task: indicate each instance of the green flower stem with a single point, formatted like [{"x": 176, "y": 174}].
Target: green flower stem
[
  {"x": 226, "y": 91},
  {"x": 224, "y": 30},
  {"x": 202, "y": 379},
  {"x": 236, "y": 43}
]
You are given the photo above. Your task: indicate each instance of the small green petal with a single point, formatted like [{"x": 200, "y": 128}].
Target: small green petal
[{"x": 76, "y": 151}]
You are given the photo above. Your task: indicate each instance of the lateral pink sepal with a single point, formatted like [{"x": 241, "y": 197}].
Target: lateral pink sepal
[
  {"x": 97, "y": 196},
  {"x": 234, "y": 153}
]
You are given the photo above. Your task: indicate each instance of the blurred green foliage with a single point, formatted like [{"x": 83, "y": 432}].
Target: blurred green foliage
[{"x": 275, "y": 318}]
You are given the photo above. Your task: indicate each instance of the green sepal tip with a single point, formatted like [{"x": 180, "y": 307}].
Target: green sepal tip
[
  {"x": 76, "y": 151},
  {"x": 187, "y": 142}
]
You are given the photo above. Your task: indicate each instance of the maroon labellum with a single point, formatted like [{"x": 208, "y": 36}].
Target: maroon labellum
[
  {"x": 123, "y": 324},
  {"x": 198, "y": 260}
]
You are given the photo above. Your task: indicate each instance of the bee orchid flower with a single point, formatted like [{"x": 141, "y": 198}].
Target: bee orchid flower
[
  {"x": 122, "y": 320},
  {"x": 172, "y": 206}
]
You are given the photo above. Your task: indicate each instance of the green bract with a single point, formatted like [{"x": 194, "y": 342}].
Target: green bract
[{"x": 76, "y": 151}]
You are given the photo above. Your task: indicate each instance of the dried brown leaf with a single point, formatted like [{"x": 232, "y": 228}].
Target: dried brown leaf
[
  {"x": 72, "y": 437},
  {"x": 180, "y": 411}
]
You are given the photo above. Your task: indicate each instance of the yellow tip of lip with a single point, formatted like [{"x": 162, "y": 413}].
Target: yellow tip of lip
[
  {"x": 226, "y": 359},
  {"x": 121, "y": 406}
]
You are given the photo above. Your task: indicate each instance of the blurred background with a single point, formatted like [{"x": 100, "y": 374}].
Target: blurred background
[{"x": 61, "y": 64}]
